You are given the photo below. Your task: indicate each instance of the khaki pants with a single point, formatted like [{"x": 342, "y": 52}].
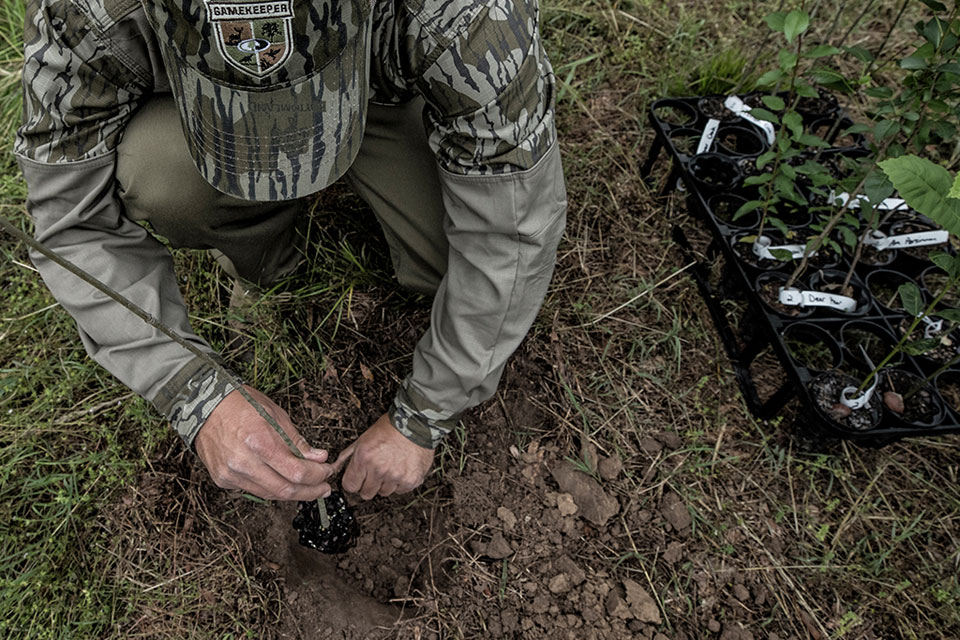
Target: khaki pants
[{"x": 395, "y": 173}]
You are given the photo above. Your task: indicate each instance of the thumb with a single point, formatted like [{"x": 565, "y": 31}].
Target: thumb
[{"x": 314, "y": 455}]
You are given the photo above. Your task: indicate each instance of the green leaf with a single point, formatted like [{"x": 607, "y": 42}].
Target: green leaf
[
  {"x": 950, "y": 315},
  {"x": 795, "y": 23},
  {"x": 883, "y": 93},
  {"x": 955, "y": 189},
  {"x": 766, "y": 158},
  {"x": 950, "y": 67},
  {"x": 781, "y": 254},
  {"x": 886, "y": 129},
  {"x": 848, "y": 236},
  {"x": 861, "y": 54},
  {"x": 933, "y": 31},
  {"x": 763, "y": 114},
  {"x": 778, "y": 224},
  {"x": 925, "y": 186},
  {"x": 935, "y": 5},
  {"x": 821, "y": 51},
  {"x": 787, "y": 59},
  {"x": 810, "y": 140},
  {"x": 776, "y": 20},
  {"x": 774, "y": 103},
  {"x": 877, "y": 187},
  {"x": 788, "y": 171},
  {"x": 747, "y": 207},
  {"x": 793, "y": 122},
  {"x": 913, "y": 62},
  {"x": 911, "y": 299},
  {"x": 763, "y": 178},
  {"x": 946, "y": 262},
  {"x": 769, "y": 79},
  {"x": 806, "y": 91},
  {"x": 857, "y": 128},
  {"x": 919, "y": 347}
]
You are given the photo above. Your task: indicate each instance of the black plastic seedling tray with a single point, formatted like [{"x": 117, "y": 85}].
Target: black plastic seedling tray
[{"x": 679, "y": 125}]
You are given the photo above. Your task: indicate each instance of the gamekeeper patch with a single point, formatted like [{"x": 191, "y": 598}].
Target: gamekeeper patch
[{"x": 254, "y": 37}]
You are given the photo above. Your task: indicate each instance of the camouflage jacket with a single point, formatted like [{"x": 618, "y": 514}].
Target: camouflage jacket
[{"x": 479, "y": 64}]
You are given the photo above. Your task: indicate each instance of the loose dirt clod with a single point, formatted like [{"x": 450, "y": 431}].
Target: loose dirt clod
[
  {"x": 675, "y": 512},
  {"x": 610, "y": 468},
  {"x": 498, "y": 548},
  {"x": 595, "y": 505},
  {"x": 642, "y": 606}
]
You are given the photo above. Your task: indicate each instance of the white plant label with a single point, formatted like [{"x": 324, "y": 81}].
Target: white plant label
[
  {"x": 762, "y": 248},
  {"x": 709, "y": 135},
  {"x": 932, "y": 327},
  {"x": 740, "y": 108},
  {"x": 796, "y": 298},
  {"x": 858, "y": 401},
  {"x": 881, "y": 241},
  {"x": 889, "y": 204}
]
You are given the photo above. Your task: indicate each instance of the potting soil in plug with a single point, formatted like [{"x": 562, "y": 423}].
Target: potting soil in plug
[{"x": 342, "y": 533}]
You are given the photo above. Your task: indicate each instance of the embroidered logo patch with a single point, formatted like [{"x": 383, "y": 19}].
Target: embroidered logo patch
[{"x": 254, "y": 37}]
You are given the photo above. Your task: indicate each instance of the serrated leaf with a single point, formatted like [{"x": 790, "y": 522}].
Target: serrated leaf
[
  {"x": 810, "y": 140},
  {"x": 935, "y": 5},
  {"x": 910, "y": 298},
  {"x": 788, "y": 171},
  {"x": 795, "y": 23},
  {"x": 806, "y": 91},
  {"x": 774, "y": 103},
  {"x": 857, "y": 128},
  {"x": 925, "y": 186}
]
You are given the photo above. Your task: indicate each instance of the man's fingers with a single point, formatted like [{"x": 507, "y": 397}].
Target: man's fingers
[
  {"x": 275, "y": 454},
  {"x": 388, "y": 489},
  {"x": 371, "y": 486},
  {"x": 343, "y": 458},
  {"x": 264, "y": 482},
  {"x": 354, "y": 476}
]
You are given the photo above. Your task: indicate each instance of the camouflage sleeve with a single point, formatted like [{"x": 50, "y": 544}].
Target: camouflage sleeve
[
  {"x": 489, "y": 88},
  {"x": 80, "y": 88},
  {"x": 79, "y": 91}
]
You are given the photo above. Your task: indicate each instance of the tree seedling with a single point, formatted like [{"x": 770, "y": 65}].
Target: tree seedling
[{"x": 929, "y": 189}]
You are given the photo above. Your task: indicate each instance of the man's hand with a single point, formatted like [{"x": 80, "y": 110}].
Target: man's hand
[
  {"x": 243, "y": 452},
  {"x": 383, "y": 462}
]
